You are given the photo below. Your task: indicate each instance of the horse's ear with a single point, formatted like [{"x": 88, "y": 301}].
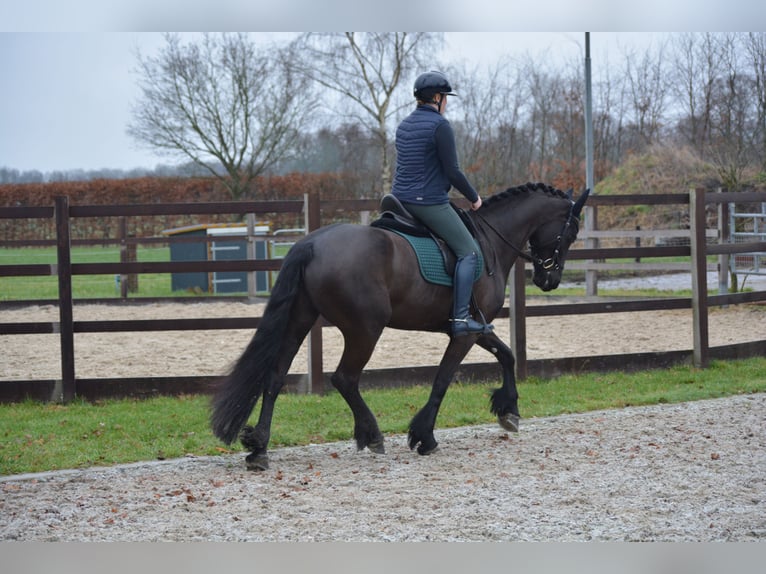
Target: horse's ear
[
  {"x": 570, "y": 193},
  {"x": 577, "y": 208}
]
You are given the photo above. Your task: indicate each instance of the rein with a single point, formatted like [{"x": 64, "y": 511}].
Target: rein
[
  {"x": 519, "y": 251},
  {"x": 551, "y": 262}
]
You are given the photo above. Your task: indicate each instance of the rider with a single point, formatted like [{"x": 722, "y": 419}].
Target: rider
[{"x": 426, "y": 168}]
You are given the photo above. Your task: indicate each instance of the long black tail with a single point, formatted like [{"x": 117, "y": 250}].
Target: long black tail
[{"x": 236, "y": 395}]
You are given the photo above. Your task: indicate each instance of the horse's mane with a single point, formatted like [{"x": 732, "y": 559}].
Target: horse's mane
[{"x": 524, "y": 188}]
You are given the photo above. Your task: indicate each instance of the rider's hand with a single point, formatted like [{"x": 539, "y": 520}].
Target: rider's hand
[{"x": 476, "y": 204}]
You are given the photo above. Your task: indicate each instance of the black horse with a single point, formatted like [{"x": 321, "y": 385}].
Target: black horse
[{"x": 363, "y": 279}]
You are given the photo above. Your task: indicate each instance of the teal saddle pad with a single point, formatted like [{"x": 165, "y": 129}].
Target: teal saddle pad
[{"x": 431, "y": 260}]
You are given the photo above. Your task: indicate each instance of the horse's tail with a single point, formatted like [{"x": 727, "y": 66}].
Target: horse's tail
[{"x": 236, "y": 395}]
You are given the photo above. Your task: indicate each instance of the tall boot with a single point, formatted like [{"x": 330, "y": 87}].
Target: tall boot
[{"x": 462, "y": 322}]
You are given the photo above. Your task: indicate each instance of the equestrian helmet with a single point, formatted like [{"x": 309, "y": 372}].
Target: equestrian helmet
[{"x": 428, "y": 84}]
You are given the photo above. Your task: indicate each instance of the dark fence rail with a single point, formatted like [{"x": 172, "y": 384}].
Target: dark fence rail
[{"x": 69, "y": 386}]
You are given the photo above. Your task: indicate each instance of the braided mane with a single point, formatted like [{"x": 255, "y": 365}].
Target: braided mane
[{"x": 525, "y": 188}]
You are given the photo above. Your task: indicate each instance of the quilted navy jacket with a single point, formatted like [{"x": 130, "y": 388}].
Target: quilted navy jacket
[{"x": 426, "y": 160}]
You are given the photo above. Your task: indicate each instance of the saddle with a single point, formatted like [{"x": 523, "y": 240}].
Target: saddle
[{"x": 395, "y": 217}]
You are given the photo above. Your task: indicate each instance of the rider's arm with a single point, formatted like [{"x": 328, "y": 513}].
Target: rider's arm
[{"x": 445, "y": 144}]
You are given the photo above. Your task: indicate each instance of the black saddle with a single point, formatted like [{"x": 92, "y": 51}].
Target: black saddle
[{"x": 394, "y": 216}]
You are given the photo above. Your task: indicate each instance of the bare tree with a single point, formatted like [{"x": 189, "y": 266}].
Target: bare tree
[
  {"x": 365, "y": 69},
  {"x": 648, "y": 88},
  {"x": 545, "y": 91},
  {"x": 732, "y": 125},
  {"x": 487, "y": 135},
  {"x": 225, "y": 102},
  {"x": 697, "y": 66},
  {"x": 568, "y": 128},
  {"x": 608, "y": 119},
  {"x": 755, "y": 47}
]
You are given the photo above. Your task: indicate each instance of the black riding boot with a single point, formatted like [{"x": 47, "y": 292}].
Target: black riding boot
[{"x": 462, "y": 322}]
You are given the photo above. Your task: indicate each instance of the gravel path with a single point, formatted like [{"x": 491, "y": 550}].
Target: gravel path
[{"x": 688, "y": 472}]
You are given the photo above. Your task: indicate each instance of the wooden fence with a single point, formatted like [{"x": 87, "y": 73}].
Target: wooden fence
[{"x": 70, "y": 386}]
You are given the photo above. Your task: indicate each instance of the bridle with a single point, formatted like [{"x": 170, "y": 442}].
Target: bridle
[
  {"x": 549, "y": 263},
  {"x": 553, "y": 262}
]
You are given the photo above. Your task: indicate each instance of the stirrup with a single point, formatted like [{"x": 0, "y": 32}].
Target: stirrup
[{"x": 469, "y": 326}]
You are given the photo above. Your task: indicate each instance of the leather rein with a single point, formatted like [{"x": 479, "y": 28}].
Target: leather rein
[{"x": 551, "y": 262}]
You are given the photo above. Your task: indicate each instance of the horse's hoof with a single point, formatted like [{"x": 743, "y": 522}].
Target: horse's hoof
[
  {"x": 257, "y": 462},
  {"x": 377, "y": 447},
  {"x": 426, "y": 450},
  {"x": 509, "y": 422}
]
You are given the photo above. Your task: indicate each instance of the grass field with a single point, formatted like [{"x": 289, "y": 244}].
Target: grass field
[
  {"x": 159, "y": 284},
  {"x": 37, "y": 437},
  {"x": 85, "y": 286}
]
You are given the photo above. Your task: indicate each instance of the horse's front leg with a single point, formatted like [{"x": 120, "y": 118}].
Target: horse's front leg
[
  {"x": 421, "y": 434},
  {"x": 505, "y": 400}
]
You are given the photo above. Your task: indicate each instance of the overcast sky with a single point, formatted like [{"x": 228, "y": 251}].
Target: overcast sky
[
  {"x": 68, "y": 96},
  {"x": 68, "y": 84}
]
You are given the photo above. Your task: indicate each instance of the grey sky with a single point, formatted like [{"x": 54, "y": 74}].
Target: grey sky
[{"x": 68, "y": 96}]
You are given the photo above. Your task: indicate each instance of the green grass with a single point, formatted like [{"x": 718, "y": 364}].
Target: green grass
[
  {"x": 159, "y": 284},
  {"x": 89, "y": 286},
  {"x": 37, "y": 437},
  {"x": 83, "y": 286}
]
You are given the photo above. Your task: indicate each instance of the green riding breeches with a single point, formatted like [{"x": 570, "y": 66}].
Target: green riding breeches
[{"x": 444, "y": 221}]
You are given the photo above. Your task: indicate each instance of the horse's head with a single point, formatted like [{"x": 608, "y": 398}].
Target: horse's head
[{"x": 550, "y": 243}]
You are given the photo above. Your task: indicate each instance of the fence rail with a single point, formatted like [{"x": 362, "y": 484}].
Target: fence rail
[{"x": 68, "y": 385}]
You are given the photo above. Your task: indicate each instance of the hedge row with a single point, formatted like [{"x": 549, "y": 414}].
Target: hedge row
[{"x": 155, "y": 190}]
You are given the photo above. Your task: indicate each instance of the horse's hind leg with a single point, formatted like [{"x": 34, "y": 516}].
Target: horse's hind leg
[
  {"x": 358, "y": 347},
  {"x": 256, "y": 439},
  {"x": 421, "y": 434},
  {"x": 505, "y": 400}
]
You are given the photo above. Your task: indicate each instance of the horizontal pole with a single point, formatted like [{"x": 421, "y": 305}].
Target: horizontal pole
[
  {"x": 285, "y": 206},
  {"x": 138, "y": 267},
  {"x": 166, "y": 325},
  {"x": 734, "y": 248},
  {"x": 641, "y": 233},
  {"x": 637, "y": 267},
  {"x": 629, "y": 252},
  {"x": 31, "y": 270},
  {"x": 31, "y": 212},
  {"x": 653, "y": 304}
]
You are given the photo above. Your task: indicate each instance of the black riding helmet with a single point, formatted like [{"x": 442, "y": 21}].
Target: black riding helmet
[{"x": 428, "y": 84}]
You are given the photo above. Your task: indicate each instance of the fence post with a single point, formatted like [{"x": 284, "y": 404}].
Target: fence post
[
  {"x": 591, "y": 275},
  {"x": 66, "y": 322},
  {"x": 701, "y": 350},
  {"x": 312, "y": 214},
  {"x": 518, "y": 318},
  {"x": 250, "y": 248},
  {"x": 724, "y": 236},
  {"x": 128, "y": 283}
]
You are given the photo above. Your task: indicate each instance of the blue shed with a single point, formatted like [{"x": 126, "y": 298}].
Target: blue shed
[{"x": 222, "y": 242}]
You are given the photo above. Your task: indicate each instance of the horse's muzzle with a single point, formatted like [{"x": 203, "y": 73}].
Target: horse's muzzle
[{"x": 547, "y": 280}]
